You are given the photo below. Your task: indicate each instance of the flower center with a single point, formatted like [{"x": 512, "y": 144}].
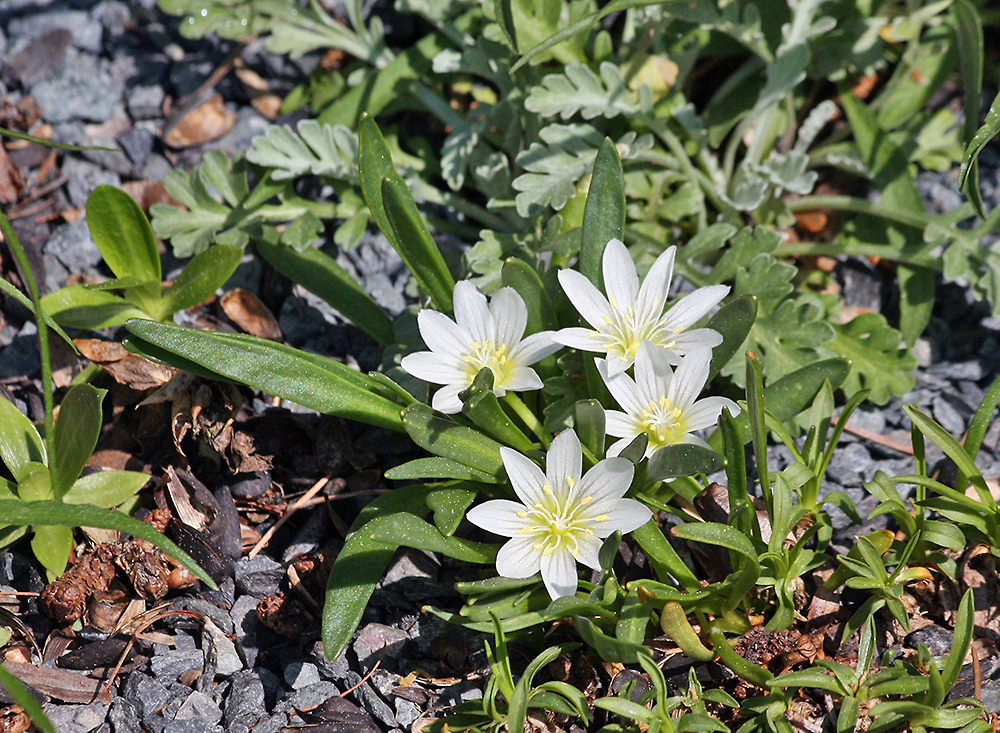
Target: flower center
[
  {"x": 557, "y": 522},
  {"x": 627, "y": 329},
  {"x": 486, "y": 354},
  {"x": 663, "y": 423}
]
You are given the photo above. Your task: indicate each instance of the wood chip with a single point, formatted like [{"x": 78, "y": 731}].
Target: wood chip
[
  {"x": 263, "y": 99},
  {"x": 148, "y": 192},
  {"x": 126, "y": 368},
  {"x": 208, "y": 121},
  {"x": 60, "y": 684},
  {"x": 247, "y": 311},
  {"x": 11, "y": 180}
]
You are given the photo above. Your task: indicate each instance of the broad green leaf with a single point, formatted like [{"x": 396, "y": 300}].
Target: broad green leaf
[
  {"x": 121, "y": 283},
  {"x": 589, "y": 422},
  {"x": 438, "y": 468},
  {"x": 683, "y": 459},
  {"x": 202, "y": 276},
  {"x": 310, "y": 380},
  {"x": 20, "y": 443},
  {"x": 449, "y": 506},
  {"x": 77, "y": 306},
  {"x": 444, "y": 437},
  {"x": 55, "y": 513},
  {"x": 320, "y": 274},
  {"x": 409, "y": 530},
  {"x": 749, "y": 671},
  {"x": 604, "y": 215},
  {"x": 21, "y": 696},
  {"x": 712, "y": 533},
  {"x": 105, "y": 489},
  {"x": 51, "y": 545},
  {"x": 733, "y": 322},
  {"x": 607, "y": 647},
  {"x": 663, "y": 557},
  {"x": 969, "y": 28},
  {"x": 76, "y": 434},
  {"x": 122, "y": 233}
]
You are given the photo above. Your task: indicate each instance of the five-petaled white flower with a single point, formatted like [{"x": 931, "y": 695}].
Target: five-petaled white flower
[
  {"x": 662, "y": 403},
  {"x": 631, "y": 314},
  {"x": 562, "y": 517},
  {"x": 481, "y": 336}
]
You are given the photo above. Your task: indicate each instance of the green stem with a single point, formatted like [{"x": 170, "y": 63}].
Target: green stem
[
  {"x": 856, "y": 249},
  {"x": 528, "y": 418},
  {"x": 859, "y": 206},
  {"x": 14, "y": 244}
]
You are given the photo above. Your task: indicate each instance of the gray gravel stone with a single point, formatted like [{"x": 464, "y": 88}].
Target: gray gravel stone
[
  {"x": 84, "y": 91},
  {"x": 199, "y": 707},
  {"x": 219, "y": 616},
  {"x": 83, "y": 177},
  {"x": 86, "y": 32},
  {"x": 260, "y": 585},
  {"x": 149, "y": 694},
  {"x": 248, "y": 628},
  {"x": 73, "y": 246},
  {"x": 245, "y": 703},
  {"x": 145, "y": 102},
  {"x": 124, "y": 716},
  {"x": 378, "y": 641},
  {"x": 300, "y": 674},
  {"x": 371, "y": 703},
  {"x": 406, "y": 712},
  {"x": 137, "y": 144},
  {"x": 20, "y": 356},
  {"x": 173, "y": 663},
  {"x": 949, "y": 417},
  {"x": 227, "y": 659},
  {"x": 190, "y": 726},
  {"x": 76, "y": 718},
  {"x": 936, "y": 638}
]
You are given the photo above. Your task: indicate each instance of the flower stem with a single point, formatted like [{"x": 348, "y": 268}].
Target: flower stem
[{"x": 528, "y": 418}]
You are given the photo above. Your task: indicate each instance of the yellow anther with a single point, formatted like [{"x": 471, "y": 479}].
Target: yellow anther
[
  {"x": 586, "y": 500},
  {"x": 548, "y": 490},
  {"x": 522, "y": 514},
  {"x": 570, "y": 481},
  {"x": 601, "y": 518}
]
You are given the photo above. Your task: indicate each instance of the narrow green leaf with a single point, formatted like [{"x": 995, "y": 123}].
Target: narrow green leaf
[
  {"x": 713, "y": 533},
  {"x": 20, "y": 443},
  {"x": 588, "y": 420},
  {"x": 482, "y": 407},
  {"x": 753, "y": 673},
  {"x": 449, "y": 506},
  {"x": 663, "y": 557},
  {"x": 953, "y": 449},
  {"x": 733, "y": 321},
  {"x": 204, "y": 274},
  {"x": 683, "y": 459},
  {"x": 76, "y": 434},
  {"x": 437, "y": 468},
  {"x": 310, "y": 380},
  {"x": 409, "y": 530},
  {"x": 604, "y": 215},
  {"x": 521, "y": 276},
  {"x": 981, "y": 420},
  {"x": 969, "y": 29},
  {"x": 14, "y": 134},
  {"x": 415, "y": 244},
  {"x": 122, "y": 233},
  {"x": 961, "y": 639},
  {"x": 758, "y": 432},
  {"x": 26, "y": 700},
  {"x": 983, "y": 135},
  {"x": 607, "y": 647},
  {"x": 55, "y": 513},
  {"x": 446, "y": 438},
  {"x": 25, "y": 301},
  {"x": 505, "y": 21},
  {"x": 320, "y": 274},
  {"x": 396, "y": 215},
  {"x": 105, "y": 489}
]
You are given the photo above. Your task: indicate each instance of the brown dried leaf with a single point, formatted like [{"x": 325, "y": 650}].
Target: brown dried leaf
[
  {"x": 247, "y": 311},
  {"x": 208, "y": 121},
  {"x": 148, "y": 192},
  {"x": 126, "y": 368},
  {"x": 60, "y": 684},
  {"x": 11, "y": 180},
  {"x": 263, "y": 99}
]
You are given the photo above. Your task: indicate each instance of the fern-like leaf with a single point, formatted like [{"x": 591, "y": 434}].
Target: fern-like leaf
[
  {"x": 581, "y": 91},
  {"x": 327, "y": 151}
]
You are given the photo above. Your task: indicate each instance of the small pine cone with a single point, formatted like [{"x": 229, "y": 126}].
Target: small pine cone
[{"x": 65, "y": 599}]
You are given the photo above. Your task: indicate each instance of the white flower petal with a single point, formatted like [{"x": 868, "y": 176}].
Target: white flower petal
[
  {"x": 622, "y": 388},
  {"x": 472, "y": 313},
  {"x": 656, "y": 285},
  {"x": 535, "y": 348},
  {"x": 559, "y": 573},
  {"x": 615, "y": 449},
  {"x": 705, "y": 412},
  {"x": 621, "y": 424},
  {"x": 563, "y": 461},
  {"x": 518, "y": 558},
  {"x": 617, "y": 363},
  {"x": 696, "y": 338},
  {"x": 626, "y": 515},
  {"x": 521, "y": 379},
  {"x": 693, "y": 306},
  {"x": 524, "y": 475},
  {"x": 587, "y": 299},
  {"x": 609, "y": 479},
  {"x": 652, "y": 373},
  {"x": 620, "y": 281},
  {"x": 499, "y": 516},
  {"x": 689, "y": 378},
  {"x": 584, "y": 339},
  {"x": 588, "y": 551},
  {"x": 510, "y": 316},
  {"x": 432, "y": 367},
  {"x": 443, "y": 335},
  {"x": 446, "y": 399}
]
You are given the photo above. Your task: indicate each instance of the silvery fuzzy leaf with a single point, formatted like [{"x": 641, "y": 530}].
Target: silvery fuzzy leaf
[
  {"x": 327, "y": 151},
  {"x": 581, "y": 91}
]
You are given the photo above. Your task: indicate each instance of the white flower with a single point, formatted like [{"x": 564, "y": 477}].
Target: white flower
[
  {"x": 661, "y": 403},
  {"x": 632, "y": 314},
  {"x": 562, "y": 517},
  {"x": 483, "y": 336}
]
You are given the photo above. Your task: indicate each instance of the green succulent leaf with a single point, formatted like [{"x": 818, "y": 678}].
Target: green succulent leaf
[
  {"x": 201, "y": 277},
  {"x": 20, "y": 444},
  {"x": 76, "y": 434}
]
